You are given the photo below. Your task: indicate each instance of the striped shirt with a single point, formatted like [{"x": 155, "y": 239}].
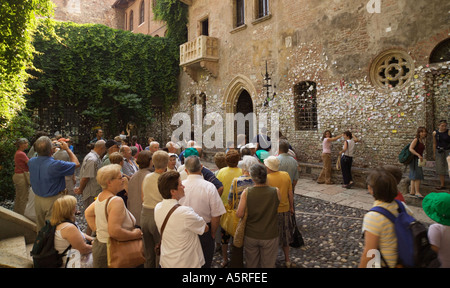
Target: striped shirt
[{"x": 382, "y": 227}]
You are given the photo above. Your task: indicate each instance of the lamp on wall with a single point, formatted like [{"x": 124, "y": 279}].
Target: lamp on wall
[{"x": 268, "y": 86}]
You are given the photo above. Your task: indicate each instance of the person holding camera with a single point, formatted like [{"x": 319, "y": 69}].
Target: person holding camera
[{"x": 441, "y": 149}]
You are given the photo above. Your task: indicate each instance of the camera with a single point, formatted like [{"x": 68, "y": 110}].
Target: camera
[{"x": 440, "y": 150}]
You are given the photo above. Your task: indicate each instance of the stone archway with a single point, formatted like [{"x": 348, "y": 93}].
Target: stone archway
[
  {"x": 234, "y": 90},
  {"x": 240, "y": 92}
]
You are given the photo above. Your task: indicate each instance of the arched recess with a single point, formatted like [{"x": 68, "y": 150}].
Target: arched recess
[
  {"x": 234, "y": 90},
  {"x": 238, "y": 86},
  {"x": 441, "y": 53}
]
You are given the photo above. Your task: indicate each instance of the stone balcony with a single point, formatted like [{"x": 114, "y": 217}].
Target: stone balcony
[{"x": 199, "y": 56}]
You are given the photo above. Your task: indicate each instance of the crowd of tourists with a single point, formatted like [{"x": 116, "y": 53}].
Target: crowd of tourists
[{"x": 165, "y": 198}]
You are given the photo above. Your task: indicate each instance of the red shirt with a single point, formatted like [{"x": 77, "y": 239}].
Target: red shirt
[{"x": 20, "y": 161}]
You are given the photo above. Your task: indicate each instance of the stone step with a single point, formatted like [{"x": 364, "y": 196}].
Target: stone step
[{"x": 14, "y": 253}]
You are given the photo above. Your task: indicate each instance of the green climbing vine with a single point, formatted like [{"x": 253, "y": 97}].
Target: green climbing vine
[
  {"x": 175, "y": 14},
  {"x": 113, "y": 73}
]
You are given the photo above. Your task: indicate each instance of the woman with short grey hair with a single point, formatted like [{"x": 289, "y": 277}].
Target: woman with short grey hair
[
  {"x": 238, "y": 185},
  {"x": 261, "y": 229}
]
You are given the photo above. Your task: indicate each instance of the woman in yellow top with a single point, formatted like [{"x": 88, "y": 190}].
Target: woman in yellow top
[
  {"x": 282, "y": 181},
  {"x": 226, "y": 176},
  {"x": 380, "y": 239}
]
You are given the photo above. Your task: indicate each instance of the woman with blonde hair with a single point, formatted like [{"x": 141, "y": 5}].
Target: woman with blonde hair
[
  {"x": 108, "y": 215},
  {"x": 68, "y": 234}
]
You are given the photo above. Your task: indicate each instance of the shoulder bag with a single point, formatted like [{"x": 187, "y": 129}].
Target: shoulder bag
[
  {"x": 124, "y": 254},
  {"x": 229, "y": 220},
  {"x": 158, "y": 246}
]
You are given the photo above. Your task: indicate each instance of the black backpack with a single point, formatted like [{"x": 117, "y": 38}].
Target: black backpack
[{"x": 44, "y": 253}]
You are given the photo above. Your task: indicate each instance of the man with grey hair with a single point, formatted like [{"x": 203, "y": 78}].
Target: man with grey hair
[
  {"x": 47, "y": 177},
  {"x": 287, "y": 162},
  {"x": 203, "y": 197},
  {"x": 173, "y": 147},
  {"x": 129, "y": 167},
  {"x": 89, "y": 187},
  {"x": 153, "y": 147}
]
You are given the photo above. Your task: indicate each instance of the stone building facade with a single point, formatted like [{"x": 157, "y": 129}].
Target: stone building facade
[
  {"x": 377, "y": 68},
  {"x": 89, "y": 11},
  {"x": 133, "y": 15}
]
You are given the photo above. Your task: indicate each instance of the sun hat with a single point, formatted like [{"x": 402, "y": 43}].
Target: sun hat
[
  {"x": 273, "y": 163},
  {"x": 190, "y": 152},
  {"x": 262, "y": 154},
  {"x": 437, "y": 207}
]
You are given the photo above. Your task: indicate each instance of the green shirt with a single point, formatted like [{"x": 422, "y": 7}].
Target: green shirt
[{"x": 262, "y": 205}]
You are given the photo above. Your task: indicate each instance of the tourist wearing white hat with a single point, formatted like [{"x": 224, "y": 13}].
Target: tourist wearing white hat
[{"x": 282, "y": 181}]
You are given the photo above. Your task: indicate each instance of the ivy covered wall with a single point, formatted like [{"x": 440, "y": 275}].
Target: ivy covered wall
[{"x": 108, "y": 77}]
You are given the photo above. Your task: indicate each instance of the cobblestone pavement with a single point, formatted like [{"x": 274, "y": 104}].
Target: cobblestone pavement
[{"x": 332, "y": 235}]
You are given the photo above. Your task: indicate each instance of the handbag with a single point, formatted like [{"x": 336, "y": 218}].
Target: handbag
[
  {"x": 229, "y": 220},
  {"x": 158, "y": 246},
  {"x": 297, "y": 240},
  {"x": 124, "y": 254},
  {"x": 422, "y": 163},
  {"x": 238, "y": 240}
]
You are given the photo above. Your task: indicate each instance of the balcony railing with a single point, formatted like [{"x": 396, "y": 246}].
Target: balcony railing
[{"x": 203, "y": 48}]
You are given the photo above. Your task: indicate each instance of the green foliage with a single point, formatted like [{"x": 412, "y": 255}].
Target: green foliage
[
  {"x": 175, "y": 14},
  {"x": 17, "y": 25},
  {"x": 20, "y": 126},
  {"x": 115, "y": 74}
]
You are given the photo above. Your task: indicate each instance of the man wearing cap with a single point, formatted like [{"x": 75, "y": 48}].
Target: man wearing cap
[
  {"x": 437, "y": 207},
  {"x": 282, "y": 181},
  {"x": 89, "y": 187},
  {"x": 47, "y": 177},
  {"x": 111, "y": 147}
]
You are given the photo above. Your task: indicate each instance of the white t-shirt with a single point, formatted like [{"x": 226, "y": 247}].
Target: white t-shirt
[
  {"x": 439, "y": 236},
  {"x": 180, "y": 244},
  {"x": 203, "y": 197},
  {"x": 350, "y": 148}
]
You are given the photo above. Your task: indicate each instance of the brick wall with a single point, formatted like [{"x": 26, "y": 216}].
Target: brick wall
[{"x": 332, "y": 43}]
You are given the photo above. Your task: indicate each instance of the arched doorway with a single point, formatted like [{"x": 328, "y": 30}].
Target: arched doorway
[
  {"x": 239, "y": 97},
  {"x": 244, "y": 105},
  {"x": 437, "y": 104}
]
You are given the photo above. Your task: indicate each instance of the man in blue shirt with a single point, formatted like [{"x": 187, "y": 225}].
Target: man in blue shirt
[{"x": 47, "y": 177}]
